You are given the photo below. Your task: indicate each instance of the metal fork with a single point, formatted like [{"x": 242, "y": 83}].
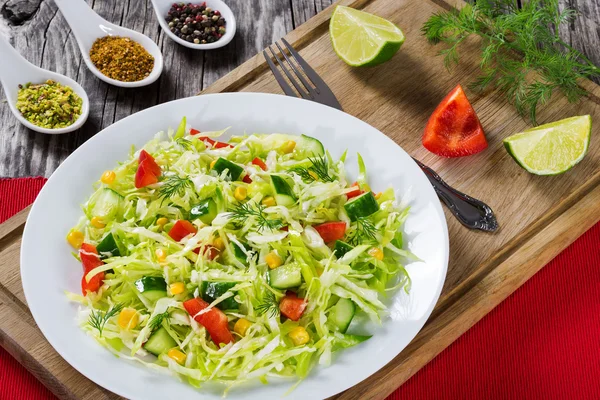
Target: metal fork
[{"x": 471, "y": 212}]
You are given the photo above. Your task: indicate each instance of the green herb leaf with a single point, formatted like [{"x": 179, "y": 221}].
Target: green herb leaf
[
  {"x": 98, "y": 318},
  {"x": 174, "y": 185},
  {"x": 318, "y": 171},
  {"x": 364, "y": 231},
  {"x": 269, "y": 305},
  {"x": 522, "y": 54},
  {"x": 243, "y": 212},
  {"x": 156, "y": 322}
]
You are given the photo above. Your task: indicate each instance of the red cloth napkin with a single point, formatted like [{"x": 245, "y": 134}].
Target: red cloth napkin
[{"x": 543, "y": 342}]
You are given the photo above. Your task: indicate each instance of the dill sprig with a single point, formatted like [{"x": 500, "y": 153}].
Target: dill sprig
[
  {"x": 364, "y": 231},
  {"x": 184, "y": 143},
  {"x": 174, "y": 185},
  {"x": 319, "y": 169},
  {"x": 157, "y": 320},
  {"x": 522, "y": 53},
  {"x": 242, "y": 212},
  {"x": 98, "y": 318},
  {"x": 269, "y": 305}
]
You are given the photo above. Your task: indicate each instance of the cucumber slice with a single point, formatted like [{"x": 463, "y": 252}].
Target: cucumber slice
[
  {"x": 239, "y": 253},
  {"x": 152, "y": 287},
  {"x": 361, "y": 206},
  {"x": 308, "y": 146},
  {"x": 212, "y": 290},
  {"x": 206, "y": 211},
  {"x": 283, "y": 192},
  {"x": 234, "y": 170},
  {"x": 342, "y": 313},
  {"x": 160, "y": 342},
  {"x": 340, "y": 248},
  {"x": 285, "y": 277},
  {"x": 105, "y": 204},
  {"x": 108, "y": 247}
]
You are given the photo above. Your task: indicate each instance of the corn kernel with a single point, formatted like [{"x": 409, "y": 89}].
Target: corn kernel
[
  {"x": 241, "y": 326},
  {"x": 162, "y": 221},
  {"x": 212, "y": 164},
  {"x": 377, "y": 196},
  {"x": 376, "y": 253},
  {"x": 128, "y": 318},
  {"x": 108, "y": 177},
  {"x": 219, "y": 244},
  {"x": 269, "y": 201},
  {"x": 75, "y": 239},
  {"x": 299, "y": 336},
  {"x": 177, "y": 288},
  {"x": 288, "y": 146},
  {"x": 97, "y": 223},
  {"x": 161, "y": 255},
  {"x": 273, "y": 260},
  {"x": 240, "y": 193},
  {"x": 313, "y": 175},
  {"x": 177, "y": 355}
]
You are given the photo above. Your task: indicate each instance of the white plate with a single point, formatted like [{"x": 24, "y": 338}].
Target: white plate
[{"x": 48, "y": 268}]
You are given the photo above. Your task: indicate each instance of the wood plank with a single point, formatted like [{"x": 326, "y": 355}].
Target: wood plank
[{"x": 539, "y": 216}]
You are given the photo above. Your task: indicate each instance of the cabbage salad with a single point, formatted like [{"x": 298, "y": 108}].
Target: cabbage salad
[{"x": 235, "y": 261}]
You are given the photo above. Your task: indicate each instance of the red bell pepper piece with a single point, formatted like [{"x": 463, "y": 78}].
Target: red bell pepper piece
[
  {"x": 292, "y": 306},
  {"x": 260, "y": 163},
  {"x": 214, "y": 320},
  {"x": 194, "y": 131},
  {"x": 214, "y": 143},
  {"x": 90, "y": 260},
  {"x": 247, "y": 179},
  {"x": 331, "y": 231},
  {"x": 453, "y": 130},
  {"x": 355, "y": 192},
  {"x": 210, "y": 251},
  {"x": 149, "y": 160},
  {"x": 181, "y": 229}
]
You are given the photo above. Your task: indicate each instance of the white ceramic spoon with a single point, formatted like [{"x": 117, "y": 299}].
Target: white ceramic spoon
[
  {"x": 161, "y": 8},
  {"x": 87, "y": 26},
  {"x": 15, "y": 71}
]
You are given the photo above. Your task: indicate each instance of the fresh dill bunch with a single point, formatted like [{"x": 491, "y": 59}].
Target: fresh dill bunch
[
  {"x": 364, "y": 231},
  {"x": 98, "y": 318},
  {"x": 319, "y": 170},
  {"x": 184, "y": 143},
  {"x": 174, "y": 185},
  {"x": 157, "y": 320},
  {"x": 269, "y": 305},
  {"x": 242, "y": 212},
  {"x": 522, "y": 53}
]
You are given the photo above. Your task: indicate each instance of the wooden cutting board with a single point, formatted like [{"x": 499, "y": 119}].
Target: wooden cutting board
[{"x": 539, "y": 216}]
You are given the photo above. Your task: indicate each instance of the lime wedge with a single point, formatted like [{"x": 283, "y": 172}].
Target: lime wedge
[
  {"x": 553, "y": 148},
  {"x": 361, "y": 39}
]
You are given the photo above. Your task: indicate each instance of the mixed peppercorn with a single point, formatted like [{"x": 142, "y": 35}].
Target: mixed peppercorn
[{"x": 195, "y": 23}]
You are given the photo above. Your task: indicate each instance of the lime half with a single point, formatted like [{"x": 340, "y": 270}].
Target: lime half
[
  {"x": 553, "y": 148},
  {"x": 361, "y": 39}
]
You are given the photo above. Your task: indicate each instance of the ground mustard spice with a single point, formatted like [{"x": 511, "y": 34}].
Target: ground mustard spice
[
  {"x": 49, "y": 105},
  {"x": 121, "y": 58}
]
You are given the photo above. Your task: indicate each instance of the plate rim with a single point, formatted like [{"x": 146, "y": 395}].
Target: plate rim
[{"x": 90, "y": 142}]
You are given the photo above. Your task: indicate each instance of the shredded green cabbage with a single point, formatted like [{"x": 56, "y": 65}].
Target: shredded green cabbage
[{"x": 140, "y": 221}]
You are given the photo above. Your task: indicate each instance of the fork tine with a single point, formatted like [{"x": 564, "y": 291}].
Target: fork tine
[
  {"x": 287, "y": 89},
  {"x": 298, "y": 74},
  {"x": 308, "y": 70},
  {"x": 289, "y": 75}
]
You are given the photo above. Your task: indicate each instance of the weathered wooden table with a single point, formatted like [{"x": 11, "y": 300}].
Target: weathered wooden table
[{"x": 39, "y": 32}]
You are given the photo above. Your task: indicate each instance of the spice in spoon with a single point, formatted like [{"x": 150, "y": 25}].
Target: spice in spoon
[
  {"x": 49, "y": 105},
  {"x": 121, "y": 58},
  {"x": 196, "y": 23}
]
